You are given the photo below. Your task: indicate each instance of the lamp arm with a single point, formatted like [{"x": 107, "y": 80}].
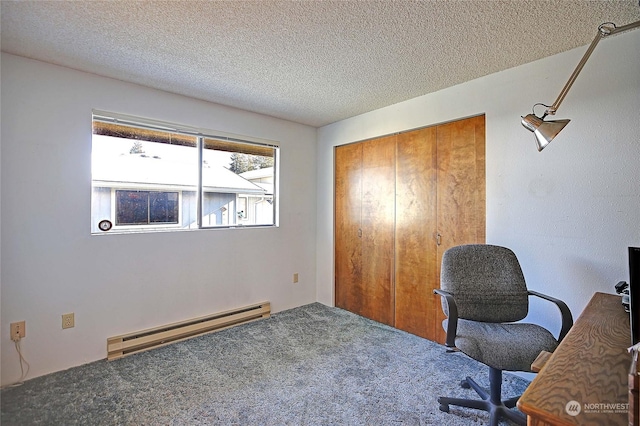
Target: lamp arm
[
  {"x": 603, "y": 31},
  {"x": 553, "y": 108}
]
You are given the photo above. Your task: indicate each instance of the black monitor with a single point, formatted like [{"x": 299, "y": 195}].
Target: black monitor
[{"x": 634, "y": 293}]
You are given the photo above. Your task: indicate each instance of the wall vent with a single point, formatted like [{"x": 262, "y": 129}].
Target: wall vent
[{"x": 132, "y": 343}]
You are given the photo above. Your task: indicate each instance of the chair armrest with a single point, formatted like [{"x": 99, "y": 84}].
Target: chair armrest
[
  {"x": 452, "y": 319},
  {"x": 567, "y": 318}
]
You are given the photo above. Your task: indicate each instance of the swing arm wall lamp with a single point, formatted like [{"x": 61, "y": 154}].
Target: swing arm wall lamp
[{"x": 545, "y": 131}]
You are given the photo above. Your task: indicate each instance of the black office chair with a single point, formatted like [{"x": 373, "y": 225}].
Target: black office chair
[{"x": 484, "y": 294}]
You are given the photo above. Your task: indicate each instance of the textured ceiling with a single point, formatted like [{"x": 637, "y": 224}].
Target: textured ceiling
[{"x": 312, "y": 62}]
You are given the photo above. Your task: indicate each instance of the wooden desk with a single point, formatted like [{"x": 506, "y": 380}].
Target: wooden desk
[{"x": 587, "y": 375}]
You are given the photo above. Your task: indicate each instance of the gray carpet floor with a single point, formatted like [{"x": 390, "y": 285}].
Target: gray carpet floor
[{"x": 312, "y": 365}]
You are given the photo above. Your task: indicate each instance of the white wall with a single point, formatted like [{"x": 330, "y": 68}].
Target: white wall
[
  {"x": 115, "y": 284},
  {"x": 569, "y": 212}
]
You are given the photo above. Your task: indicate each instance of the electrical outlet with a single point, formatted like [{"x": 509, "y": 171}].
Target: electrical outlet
[
  {"x": 295, "y": 278},
  {"x": 68, "y": 320},
  {"x": 18, "y": 330}
]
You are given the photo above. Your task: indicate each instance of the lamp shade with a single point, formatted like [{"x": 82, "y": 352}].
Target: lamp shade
[{"x": 544, "y": 131}]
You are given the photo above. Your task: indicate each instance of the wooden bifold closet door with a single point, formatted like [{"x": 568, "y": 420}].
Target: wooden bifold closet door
[
  {"x": 364, "y": 208},
  {"x": 400, "y": 202}
]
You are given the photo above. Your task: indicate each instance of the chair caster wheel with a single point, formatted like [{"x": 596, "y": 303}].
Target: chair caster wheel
[
  {"x": 444, "y": 407},
  {"x": 464, "y": 384}
]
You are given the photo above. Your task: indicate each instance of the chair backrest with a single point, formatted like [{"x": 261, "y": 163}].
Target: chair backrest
[{"x": 486, "y": 281}]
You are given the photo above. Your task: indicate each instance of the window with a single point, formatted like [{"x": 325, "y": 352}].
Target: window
[
  {"x": 146, "y": 207},
  {"x": 151, "y": 176}
]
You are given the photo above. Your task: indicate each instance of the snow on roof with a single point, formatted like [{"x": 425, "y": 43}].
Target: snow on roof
[
  {"x": 268, "y": 187},
  {"x": 127, "y": 170},
  {"x": 258, "y": 173}
]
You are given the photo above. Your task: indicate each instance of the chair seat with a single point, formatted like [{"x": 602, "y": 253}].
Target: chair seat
[{"x": 511, "y": 347}]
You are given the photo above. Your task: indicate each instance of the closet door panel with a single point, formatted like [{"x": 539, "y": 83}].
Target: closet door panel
[
  {"x": 461, "y": 187},
  {"x": 415, "y": 250},
  {"x": 378, "y": 218},
  {"x": 461, "y": 182},
  {"x": 349, "y": 292}
]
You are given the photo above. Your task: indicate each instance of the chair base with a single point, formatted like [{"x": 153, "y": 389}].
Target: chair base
[{"x": 491, "y": 401}]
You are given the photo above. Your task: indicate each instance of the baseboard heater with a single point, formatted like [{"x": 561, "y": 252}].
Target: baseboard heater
[{"x": 132, "y": 343}]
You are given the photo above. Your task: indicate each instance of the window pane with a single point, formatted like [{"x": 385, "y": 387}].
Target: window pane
[
  {"x": 238, "y": 187},
  {"x": 132, "y": 208},
  {"x": 163, "y": 207},
  {"x": 154, "y": 175}
]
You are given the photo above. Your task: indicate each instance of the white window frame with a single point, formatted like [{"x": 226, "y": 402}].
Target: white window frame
[
  {"x": 151, "y": 225},
  {"x": 201, "y": 134}
]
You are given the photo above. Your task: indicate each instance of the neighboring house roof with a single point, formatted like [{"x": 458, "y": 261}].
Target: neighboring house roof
[
  {"x": 140, "y": 170},
  {"x": 256, "y": 176},
  {"x": 268, "y": 187},
  {"x": 266, "y": 172}
]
